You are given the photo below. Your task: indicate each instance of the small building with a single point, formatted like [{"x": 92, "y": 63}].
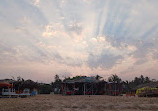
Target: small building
[
  {"x": 147, "y": 90},
  {"x": 113, "y": 88},
  {"x": 6, "y": 88},
  {"x": 83, "y": 86}
]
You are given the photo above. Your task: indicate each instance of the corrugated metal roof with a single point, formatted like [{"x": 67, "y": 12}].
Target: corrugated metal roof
[{"x": 82, "y": 80}]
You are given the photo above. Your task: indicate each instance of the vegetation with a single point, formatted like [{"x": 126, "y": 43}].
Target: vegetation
[
  {"x": 45, "y": 88},
  {"x": 56, "y": 85},
  {"x": 98, "y": 77},
  {"x": 114, "y": 78},
  {"x": 68, "y": 78},
  {"x": 137, "y": 81},
  {"x": 20, "y": 83}
]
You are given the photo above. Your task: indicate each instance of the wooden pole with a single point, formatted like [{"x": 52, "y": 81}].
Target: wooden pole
[
  {"x": 92, "y": 88},
  {"x": 84, "y": 88},
  {"x": 74, "y": 88}
]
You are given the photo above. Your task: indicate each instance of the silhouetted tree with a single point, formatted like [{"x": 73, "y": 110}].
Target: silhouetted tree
[
  {"x": 57, "y": 83},
  {"x": 142, "y": 79},
  {"x": 147, "y": 80},
  {"x": 45, "y": 88},
  {"x": 138, "y": 81},
  {"x": 66, "y": 78},
  {"x": 98, "y": 77},
  {"x": 21, "y": 84},
  {"x": 114, "y": 78}
]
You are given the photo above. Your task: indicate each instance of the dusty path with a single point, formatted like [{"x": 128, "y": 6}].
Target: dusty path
[{"x": 78, "y": 103}]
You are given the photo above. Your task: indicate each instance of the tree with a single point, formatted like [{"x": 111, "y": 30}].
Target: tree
[
  {"x": 137, "y": 81},
  {"x": 147, "y": 80},
  {"x": 57, "y": 83},
  {"x": 114, "y": 78},
  {"x": 66, "y": 78},
  {"x": 142, "y": 79},
  {"x": 20, "y": 84},
  {"x": 30, "y": 84},
  {"x": 98, "y": 77},
  {"x": 75, "y": 77},
  {"x": 45, "y": 88},
  {"x": 56, "y": 78}
]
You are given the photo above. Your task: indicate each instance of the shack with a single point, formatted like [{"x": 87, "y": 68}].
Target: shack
[
  {"x": 113, "y": 88},
  {"x": 147, "y": 90},
  {"x": 7, "y": 89},
  {"x": 83, "y": 86},
  {"x": 4, "y": 86}
]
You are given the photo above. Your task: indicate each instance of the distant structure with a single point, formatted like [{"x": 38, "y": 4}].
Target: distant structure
[
  {"x": 83, "y": 86},
  {"x": 6, "y": 80},
  {"x": 7, "y": 89},
  {"x": 91, "y": 86},
  {"x": 113, "y": 88},
  {"x": 147, "y": 90},
  {"x": 150, "y": 85}
]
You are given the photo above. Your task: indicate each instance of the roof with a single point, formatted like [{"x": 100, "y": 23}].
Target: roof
[
  {"x": 5, "y": 84},
  {"x": 7, "y": 80},
  {"x": 82, "y": 79},
  {"x": 114, "y": 82},
  {"x": 150, "y": 85}
]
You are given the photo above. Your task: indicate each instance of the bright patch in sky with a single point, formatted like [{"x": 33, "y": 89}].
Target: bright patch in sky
[{"x": 41, "y": 38}]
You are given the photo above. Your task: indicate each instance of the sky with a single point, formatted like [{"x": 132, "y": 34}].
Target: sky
[{"x": 42, "y": 38}]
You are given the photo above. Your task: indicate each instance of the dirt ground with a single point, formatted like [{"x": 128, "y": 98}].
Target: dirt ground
[{"x": 78, "y": 103}]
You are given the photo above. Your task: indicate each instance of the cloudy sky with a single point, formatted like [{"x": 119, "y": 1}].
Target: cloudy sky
[{"x": 41, "y": 38}]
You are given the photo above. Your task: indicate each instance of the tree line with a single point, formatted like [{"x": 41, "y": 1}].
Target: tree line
[
  {"x": 129, "y": 85},
  {"x": 43, "y": 88}
]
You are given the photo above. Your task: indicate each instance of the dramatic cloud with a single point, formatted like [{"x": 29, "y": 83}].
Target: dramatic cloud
[{"x": 41, "y": 38}]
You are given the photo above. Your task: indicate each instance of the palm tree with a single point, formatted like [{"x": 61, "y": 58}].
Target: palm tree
[
  {"x": 114, "y": 78},
  {"x": 98, "y": 77}
]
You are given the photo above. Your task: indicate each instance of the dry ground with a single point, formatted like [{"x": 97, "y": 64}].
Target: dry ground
[{"x": 78, "y": 103}]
